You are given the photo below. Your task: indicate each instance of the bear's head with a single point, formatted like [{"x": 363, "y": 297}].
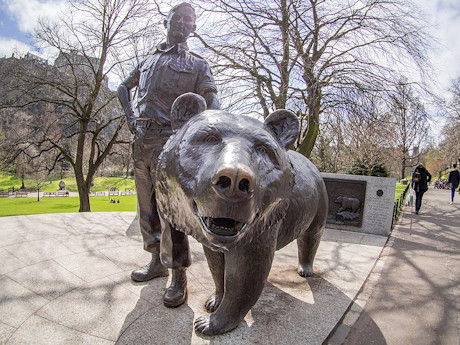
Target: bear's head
[{"x": 224, "y": 178}]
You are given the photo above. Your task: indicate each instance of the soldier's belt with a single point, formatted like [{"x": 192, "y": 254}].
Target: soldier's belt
[{"x": 151, "y": 125}]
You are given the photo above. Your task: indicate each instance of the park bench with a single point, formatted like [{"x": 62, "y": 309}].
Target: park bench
[
  {"x": 62, "y": 193},
  {"x": 127, "y": 192},
  {"x": 49, "y": 194},
  {"x": 4, "y": 194},
  {"x": 97, "y": 193},
  {"x": 20, "y": 194}
]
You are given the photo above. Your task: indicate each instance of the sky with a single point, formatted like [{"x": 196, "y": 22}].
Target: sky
[{"x": 18, "y": 19}]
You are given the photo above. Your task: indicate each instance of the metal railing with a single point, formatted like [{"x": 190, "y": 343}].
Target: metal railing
[{"x": 399, "y": 203}]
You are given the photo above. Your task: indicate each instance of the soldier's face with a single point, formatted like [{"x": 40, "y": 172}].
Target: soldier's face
[{"x": 180, "y": 24}]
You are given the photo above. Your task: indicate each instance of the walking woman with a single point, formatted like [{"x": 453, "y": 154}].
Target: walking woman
[
  {"x": 454, "y": 180},
  {"x": 420, "y": 179}
]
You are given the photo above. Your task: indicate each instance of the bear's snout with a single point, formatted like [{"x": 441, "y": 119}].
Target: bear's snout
[{"x": 235, "y": 181}]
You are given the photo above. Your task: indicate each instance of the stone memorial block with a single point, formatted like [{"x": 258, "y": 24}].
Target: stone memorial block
[{"x": 360, "y": 203}]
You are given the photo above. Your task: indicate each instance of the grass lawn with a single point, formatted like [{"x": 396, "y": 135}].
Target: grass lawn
[
  {"x": 399, "y": 190},
  {"x": 24, "y": 206},
  {"x": 100, "y": 183}
]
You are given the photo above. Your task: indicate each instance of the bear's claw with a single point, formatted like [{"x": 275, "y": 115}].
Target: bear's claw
[
  {"x": 213, "y": 302},
  {"x": 202, "y": 325},
  {"x": 206, "y": 326},
  {"x": 305, "y": 270}
]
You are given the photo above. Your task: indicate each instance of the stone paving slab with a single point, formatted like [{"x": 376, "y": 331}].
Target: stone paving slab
[
  {"x": 412, "y": 295},
  {"x": 65, "y": 279}
]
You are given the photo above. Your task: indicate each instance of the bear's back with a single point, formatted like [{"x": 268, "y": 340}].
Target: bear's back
[{"x": 308, "y": 201}]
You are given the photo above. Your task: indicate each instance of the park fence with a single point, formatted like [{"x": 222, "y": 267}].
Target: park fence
[{"x": 399, "y": 203}]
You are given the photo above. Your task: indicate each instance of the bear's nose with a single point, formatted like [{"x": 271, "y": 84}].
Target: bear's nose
[{"x": 236, "y": 181}]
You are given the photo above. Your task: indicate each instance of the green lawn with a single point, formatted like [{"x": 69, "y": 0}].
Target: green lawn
[
  {"x": 399, "y": 190},
  {"x": 100, "y": 183},
  {"x": 23, "y": 206}
]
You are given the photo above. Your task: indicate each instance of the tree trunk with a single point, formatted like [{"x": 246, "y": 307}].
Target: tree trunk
[
  {"x": 84, "y": 200},
  {"x": 128, "y": 161},
  {"x": 83, "y": 193},
  {"x": 403, "y": 165},
  {"x": 308, "y": 142},
  {"x": 84, "y": 203},
  {"x": 314, "y": 108}
]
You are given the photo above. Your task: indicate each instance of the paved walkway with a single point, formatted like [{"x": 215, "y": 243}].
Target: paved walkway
[
  {"x": 65, "y": 279},
  {"x": 413, "y": 294}
]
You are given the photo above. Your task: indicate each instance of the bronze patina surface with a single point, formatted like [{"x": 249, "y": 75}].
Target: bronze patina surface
[
  {"x": 171, "y": 70},
  {"x": 231, "y": 182}
]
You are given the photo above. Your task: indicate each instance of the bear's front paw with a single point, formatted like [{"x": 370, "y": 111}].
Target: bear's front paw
[
  {"x": 213, "y": 302},
  {"x": 202, "y": 324},
  {"x": 305, "y": 270},
  {"x": 213, "y": 325}
]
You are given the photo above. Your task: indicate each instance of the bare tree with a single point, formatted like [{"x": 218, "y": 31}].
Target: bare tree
[
  {"x": 410, "y": 123},
  {"x": 357, "y": 135},
  {"x": 301, "y": 55},
  {"x": 451, "y": 141},
  {"x": 451, "y": 130},
  {"x": 83, "y": 126},
  {"x": 436, "y": 161},
  {"x": 454, "y": 103},
  {"x": 37, "y": 170}
]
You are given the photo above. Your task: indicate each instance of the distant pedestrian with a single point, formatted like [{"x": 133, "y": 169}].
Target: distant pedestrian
[
  {"x": 420, "y": 179},
  {"x": 454, "y": 181}
]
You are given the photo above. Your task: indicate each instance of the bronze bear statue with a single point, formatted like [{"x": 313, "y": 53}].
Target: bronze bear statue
[{"x": 232, "y": 183}]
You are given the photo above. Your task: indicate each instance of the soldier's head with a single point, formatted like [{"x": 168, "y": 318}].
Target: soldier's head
[{"x": 180, "y": 23}]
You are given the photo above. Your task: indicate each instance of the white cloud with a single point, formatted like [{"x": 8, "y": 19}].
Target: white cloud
[
  {"x": 27, "y": 12},
  {"x": 444, "y": 16},
  {"x": 9, "y": 46},
  {"x": 453, "y": 6}
]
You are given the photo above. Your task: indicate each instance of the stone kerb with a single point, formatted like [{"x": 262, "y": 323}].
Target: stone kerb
[{"x": 360, "y": 203}]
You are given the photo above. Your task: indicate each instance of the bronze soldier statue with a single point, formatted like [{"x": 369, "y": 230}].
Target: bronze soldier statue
[{"x": 170, "y": 71}]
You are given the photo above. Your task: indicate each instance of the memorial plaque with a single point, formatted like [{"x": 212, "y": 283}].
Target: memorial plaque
[
  {"x": 346, "y": 201},
  {"x": 360, "y": 203}
]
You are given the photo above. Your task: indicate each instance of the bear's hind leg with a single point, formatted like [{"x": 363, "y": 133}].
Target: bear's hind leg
[
  {"x": 307, "y": 245},
  {"x": 216, "y": 263}
]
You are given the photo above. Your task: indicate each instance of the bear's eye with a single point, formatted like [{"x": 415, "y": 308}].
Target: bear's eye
[
  {"x": 211, "y": 139},
  {"x": 261, "y": 149}
]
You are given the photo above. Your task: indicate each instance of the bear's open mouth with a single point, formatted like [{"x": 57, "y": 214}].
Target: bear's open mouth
[{"x": 220, "y": 226}]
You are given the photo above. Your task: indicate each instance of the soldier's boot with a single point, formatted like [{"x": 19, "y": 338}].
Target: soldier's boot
[
  {"x": 176, "y": 293},
  {"x": 152, "y": 270}
]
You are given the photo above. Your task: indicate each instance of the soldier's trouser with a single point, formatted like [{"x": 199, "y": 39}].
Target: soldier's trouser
[{"x": 147, "y": 147}]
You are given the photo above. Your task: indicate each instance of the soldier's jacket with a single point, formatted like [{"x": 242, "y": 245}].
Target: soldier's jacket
[{"x": 167, "y": 74}]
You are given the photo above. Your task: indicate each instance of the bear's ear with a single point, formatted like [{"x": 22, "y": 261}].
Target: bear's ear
[
  {"x": 184, "y": 107},
  {"x": 285, "y": 125}
]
